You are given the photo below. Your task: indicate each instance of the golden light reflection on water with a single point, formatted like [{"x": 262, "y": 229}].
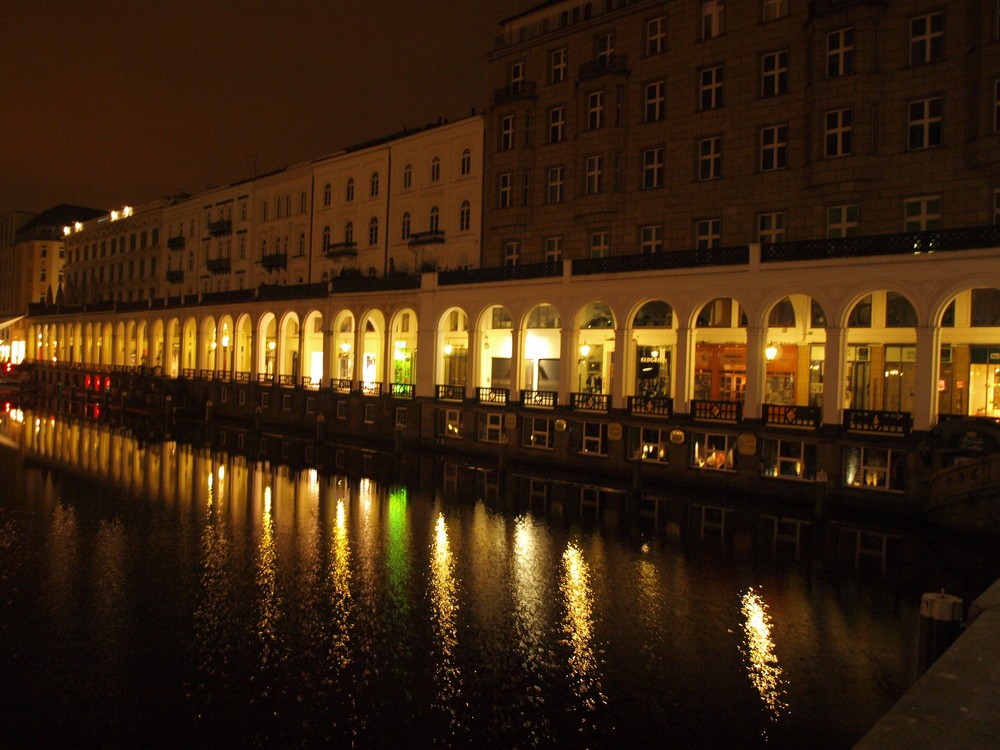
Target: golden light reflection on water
[
  {"x": 445, "y": 609},
  {"x": 340, "y": 589},
  {"x": 266, "y": 574},
  {"x": 758, "y": 652},
  {"x": 529, "y": 588},
  {"x": 578, "y": 627}
]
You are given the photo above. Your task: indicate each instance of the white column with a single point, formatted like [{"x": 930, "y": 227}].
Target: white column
[
  {"x": 682, "y": 374},
  {"x": 834, "y": 374},
  {"x": 925, "y": 396},
  {"x": 756, "y": 363},
  {"x": 618, "y": 388},
  {"x": 568, "y": 354},
  {"x": 426, "y": 361}
]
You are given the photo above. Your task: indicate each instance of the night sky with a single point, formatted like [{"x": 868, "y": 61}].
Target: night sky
[{"x": 119, "y": 102}]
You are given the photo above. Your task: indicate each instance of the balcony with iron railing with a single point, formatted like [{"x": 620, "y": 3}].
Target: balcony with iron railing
[
  {"x": 539, "y": 399},
  {"x": 786, "y": 415},
  {"x": 341, "y": 385},
  {"x": 341, "y": 250},
  {"x": 219, "y": 265},
  {"x": 717, "y": 411},
  {"x": 604, "y": 66},
  {"x": 713, "y": 256},
  {"x": 402, "y": 390},
  {"x": 449, "y": 392},
  {"x": 500, "y": 273},
  {"x": 514, "y": 92},
  {"x": 274, "y": 261},
  {"x": 651, "y": 406},
  {"x": 430, "y": 237},
  {"x": 820, "y": 8},
  {"x": 589, "y": 401},
  {"x": 371, "y": 388},
  {"x": 175, "y": 275},
  {"x": 493, "y": 396},
  {"x": 176, "y": 243},
  {"x": 220, "y": 227},
  {"x": 881, "y": 422}
]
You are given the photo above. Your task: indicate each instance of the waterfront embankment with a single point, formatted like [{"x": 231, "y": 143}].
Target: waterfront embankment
[{"x": 955, "y": 703}]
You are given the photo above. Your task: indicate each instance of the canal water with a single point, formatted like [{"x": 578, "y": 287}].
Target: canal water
[{"x": 158, "y": 594}]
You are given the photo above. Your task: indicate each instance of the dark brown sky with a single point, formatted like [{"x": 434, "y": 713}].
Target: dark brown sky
[{"x": 103, "y": 104}]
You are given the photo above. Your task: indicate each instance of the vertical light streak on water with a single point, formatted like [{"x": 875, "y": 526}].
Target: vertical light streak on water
[
  {"x": 578, "y": 628},
  {"x": 267, "y": 589},
  {"x": 444, "y": 605},
  {"x": 64, "y": 563},
  {"x": 649, "y": 606},
  {"x": 397, "y": 554},
  {"x": 340, "y": 590},
  {"x": 758, "y": 653},
  {"x": 107, "y": 618}
]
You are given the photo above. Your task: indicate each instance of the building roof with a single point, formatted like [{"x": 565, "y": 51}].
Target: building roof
[{"x": 56, "y": 217}]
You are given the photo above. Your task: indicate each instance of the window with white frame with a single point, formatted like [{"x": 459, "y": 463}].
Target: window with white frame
[
  {"x": 537, "y": 432},
  {"x": 655, "y": 101},
  {"x": 594, "y": 172},
  {"x": 605, "y": 48},
  {"x": 875, "y": 468},
  {"x": 838, "y": 133},
  {"x": 465, "y": 163},
  {"x": 373, "y": 185},
  {"x": 656, "y": 35},
  {"x": 927, "y": 38},
  {"x": 464, "y": 216},
  {"x": 511, "y": 252},
  {"x": 451, "y": 423},
  {"x": 771, "y": 227},
  {"x": 553, "y": 249},
  {"x": 506, "y": 132},
  {"x": 341, "y": 409},
  {"x": 707, "y": 233},
  {"x": 407, "y": 176},
  {"x": 775, "y": 9},
  {"x": 842, "y": 221},
  {"x": 557, "y": 65},
  {"x": 594, "y": 438},
  {"x": 713, "y": 451},
  {"x": 788, "y": 459},
  {"x": 710, "y": 87},
  {"x": 710, "y": 158},
  {"x": 773, "y": 147},
  {"x": 349, "y": 233},
  {"x": 650, "y": 444},
  {"x": 401, "y": 412},
  {"x": 327, "y": 194},
  {"x": 434, "y": 219},
  {"x": 506, "y": 189},
  {"x": 435, "y": 169},
  {"x": 924, "y": 124},
  {"x": 840, "y": 52},
  {"x": 516, "y": 75},
  {"x": 492, "y": 427},
  {"x": 373, "y": 231},
  {"x": 595, "y": 110},
  {"x": 921, "y": 214},
  {"x": 652, "y": 168},
  {"x": 712, "y": 18},
  {"x": 554, "y": 185},
  {"x": 349, "y": 190},
  {"x": 600, "y": 244},
  {"x": 404, "y": 226},
  {"x": 651, "y": 238},
  {"x": 774, "y": 73},
  {"x": 557, "y": 124}
]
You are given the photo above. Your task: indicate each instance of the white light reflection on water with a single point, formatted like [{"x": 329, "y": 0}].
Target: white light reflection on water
[
  {"x": 444, "y": 603},
  {"x": 758, "y": 652},
  {"x": 340, "y": 590},
  {"x": 265, "y": 577},
  {"x": 578, "y": 628}
]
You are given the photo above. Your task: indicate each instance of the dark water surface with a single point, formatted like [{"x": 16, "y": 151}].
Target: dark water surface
[{"x": 167, "y": 596}]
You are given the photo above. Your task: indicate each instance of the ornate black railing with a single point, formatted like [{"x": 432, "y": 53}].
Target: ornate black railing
[
  {"x": 602, "y": 66},
  {"x": 402, "y": 390},
  {"x": 449, "y": 392},
  {"x": 514, "y": 92},
  {"x": 902, "y": 243},
  {"x": 651, "y": 406},
  {"x": 883, "y": 422},
  {"x": 265, "y": 377},
  {"x": 176, "y": 243},
  {"x": 175, "y": 275},
  {"x": 500, "y": 273},
  {"x": 206, "y": 374},
  {"x": 430, "y": 237},
  {"x": 241, "y": 377},
  {"x": 371, "y": 388},
  {"x": 395, "y": 281},
  {"x": 719, "y": 411},
  {"x": 218, "y": 265},
  {"x": 792, "y": 416},
  {"x": 291, "y": 291},
  {"x": 220, "y": 227},
  {"x": 310, "y": 383},
  {"x": 341, "y": 385},
  {"x": 274, "y": 261},
  {"x": 188, "y": 373},
  {"x": 733, "y": 255},
  {"x": 497, "y": 396},
  {"x": 589, "y": 401},
  {"x": 287, "y": 381},
  {"x": 542, "y": 399}
]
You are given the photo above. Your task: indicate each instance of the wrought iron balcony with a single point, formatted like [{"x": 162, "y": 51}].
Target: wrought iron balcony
[
  {"x": 820, "y": 8},
  {"x": 514, "y": 92},
  {"x": 718, "y": 411},
  {"x": 218, "y": 265},
  {"x": 220, "y": 227},
  {"x": 402, "y": 390},
  {"x": 603, "y": 66},
  {"x": 541, "y": 399},
  {"x": 501, "y": 273},
  {"x": 496, "y": 396},
  {"x": 274, "y": 261},
  {"x": 792, "y": 416},
  {"x": 341, "y": 250},
  {"x": 449, "y": 392},
  {"x": 734, "y": 255},
  {"x": 651, "y": 406},
  {"x": 433, "y": 236},
  {"x": 176, "y": 243},
  {"x": 589, "y": 401},
  {"x": 341, "y": 385},
  {"x": 175, "y": 276},
  {"x": 873, "y": 420}
]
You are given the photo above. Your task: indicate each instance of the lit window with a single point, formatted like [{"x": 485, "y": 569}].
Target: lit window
[
  {"x": 656, "y": 35},
  {"x": 594, "y": 438},
  {"x": 713, "y": 451},
  {"x": 506, "y": 132},
  {"x": 788, "y": 459},
  {"x": 537, "y": 432},
  {"x": 874, "y": 468}
]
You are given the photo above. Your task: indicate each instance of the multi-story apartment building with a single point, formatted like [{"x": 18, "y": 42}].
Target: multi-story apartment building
[
  {"x": 116, "y": 256},
  {"x": 622, "y": 127},
  {"x": 407, "y": 202}
]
